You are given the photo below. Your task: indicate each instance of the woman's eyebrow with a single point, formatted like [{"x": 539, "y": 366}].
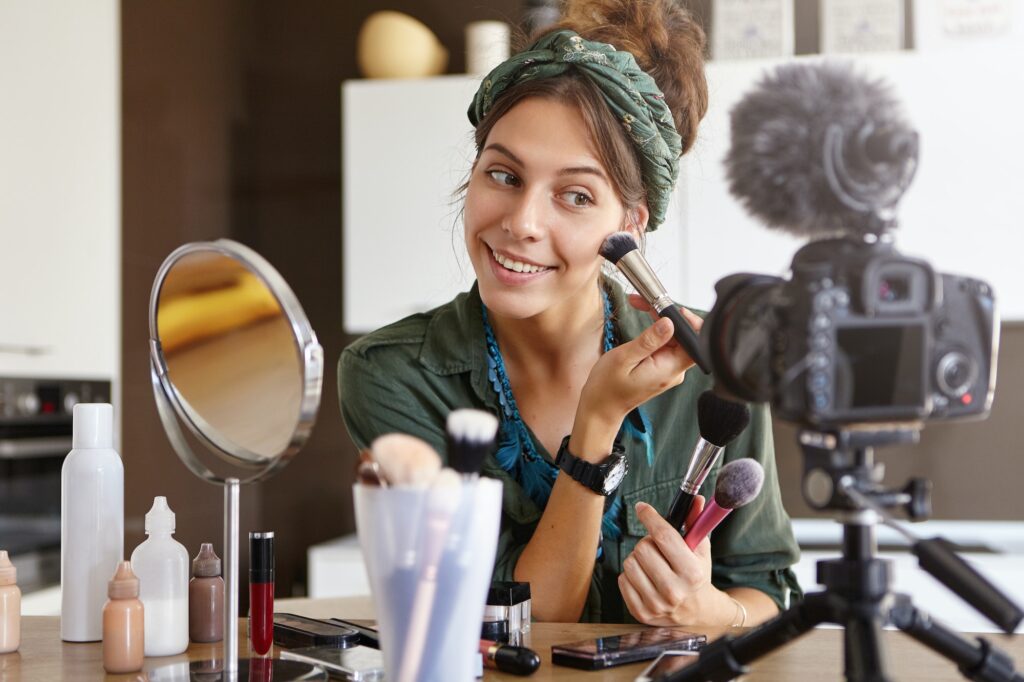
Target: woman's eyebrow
[
  {"x": 502, "y": 149},
  {"x": 574, "y": 170}
]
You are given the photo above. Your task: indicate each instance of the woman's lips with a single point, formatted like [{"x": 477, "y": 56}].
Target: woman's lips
[{"x": 511, "y": 277}]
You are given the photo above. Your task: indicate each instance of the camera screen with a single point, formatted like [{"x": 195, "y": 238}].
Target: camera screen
[{"x": 880, "y": 366}]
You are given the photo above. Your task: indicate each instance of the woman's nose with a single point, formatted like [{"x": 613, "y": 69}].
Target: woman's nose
[{"x": 528, "y": 216}]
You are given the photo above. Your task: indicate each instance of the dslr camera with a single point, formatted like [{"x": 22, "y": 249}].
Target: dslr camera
[{"x": 858, "y": 333}]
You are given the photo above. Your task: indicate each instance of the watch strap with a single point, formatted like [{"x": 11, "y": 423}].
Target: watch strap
[{"x": 587, "y": 474}]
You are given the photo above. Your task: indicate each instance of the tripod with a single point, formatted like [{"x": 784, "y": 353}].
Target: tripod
[{"x": 840, "y": 475}]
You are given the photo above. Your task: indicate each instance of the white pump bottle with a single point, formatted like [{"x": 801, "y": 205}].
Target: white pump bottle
[{"x": 91, "y": 522}]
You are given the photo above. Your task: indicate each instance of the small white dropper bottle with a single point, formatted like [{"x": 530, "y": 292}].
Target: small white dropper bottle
[{"x": 162, "y": 566}]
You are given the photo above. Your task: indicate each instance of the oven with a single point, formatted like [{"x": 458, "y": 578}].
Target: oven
[{"x": 35, "y": 436}]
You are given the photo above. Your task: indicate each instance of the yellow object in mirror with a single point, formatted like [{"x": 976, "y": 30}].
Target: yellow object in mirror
[
  {"x": 230, "y": 352},
  {"x": 395, "y": 45}
]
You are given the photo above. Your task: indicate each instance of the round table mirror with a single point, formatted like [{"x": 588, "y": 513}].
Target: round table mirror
[{"x": 235, "y": 361}]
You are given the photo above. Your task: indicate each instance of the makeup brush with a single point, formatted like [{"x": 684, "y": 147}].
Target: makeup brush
[
  {"x": 368, "y": 471},
  {"x": 738, "y": 484},
  {"x": 470, "y": 439},
  {"x": 405, "y": 460},
  {"x": 720, "y": 421},
  {"x": 442, "y": 503},
  {"x": 620, "y": 249}
]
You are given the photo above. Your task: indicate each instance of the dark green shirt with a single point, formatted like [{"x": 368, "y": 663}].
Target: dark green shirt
[{"x": 407, "y": 377}]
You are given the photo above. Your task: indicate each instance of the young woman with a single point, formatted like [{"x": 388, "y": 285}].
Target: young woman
[{"x": 578, "y": 137}]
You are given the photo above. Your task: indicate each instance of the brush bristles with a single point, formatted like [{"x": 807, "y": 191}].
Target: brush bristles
[
  {"x": 720, "y": 420},
  {"x": 470, "y": 439},
  {"x": 617, "y": 245},
  {"x": 475, "y": 426},
  {"x": 405, "y": 460},
  {"x": 738, "y": 483}
]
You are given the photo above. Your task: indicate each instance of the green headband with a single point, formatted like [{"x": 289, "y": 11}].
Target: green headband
[{"x": 631, "y": 94}]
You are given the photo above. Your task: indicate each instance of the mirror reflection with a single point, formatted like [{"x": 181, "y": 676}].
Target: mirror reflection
[{"x": 231, "y": 353}]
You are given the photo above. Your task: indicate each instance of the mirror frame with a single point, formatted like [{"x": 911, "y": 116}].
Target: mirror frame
[{"x": 173, "y": 409}]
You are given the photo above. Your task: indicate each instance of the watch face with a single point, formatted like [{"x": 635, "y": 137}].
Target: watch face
[{"x": 615, "y": 476}]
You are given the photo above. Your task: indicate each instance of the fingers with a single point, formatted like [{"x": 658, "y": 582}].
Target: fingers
[
  {"x": 640, "y": 303},
  {"x": 679, "y": 560},
  {"x": 638, "y": 568},
  {"x": 696, "y": 321},
  {"x": 649, "y": 341}
]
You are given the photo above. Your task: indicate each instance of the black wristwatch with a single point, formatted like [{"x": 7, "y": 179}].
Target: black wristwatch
[{"x": 603, "y": 478}]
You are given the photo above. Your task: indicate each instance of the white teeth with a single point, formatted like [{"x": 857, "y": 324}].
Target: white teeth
[{"x": 515, "y": 265}]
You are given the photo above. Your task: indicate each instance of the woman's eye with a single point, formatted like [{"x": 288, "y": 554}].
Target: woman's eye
[
  {"x": 504, "y": 178},
  {"x": 579, "y": 199}
]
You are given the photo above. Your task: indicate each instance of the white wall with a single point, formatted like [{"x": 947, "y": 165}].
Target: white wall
[
  {"x": 60, "y": 203},
  {"x": 407, "y": 145}
]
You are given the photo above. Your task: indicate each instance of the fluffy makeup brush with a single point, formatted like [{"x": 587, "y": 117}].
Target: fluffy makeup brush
[
  {"x": 405, "y": 460},
  {"x": 470, "y": 439},
  {"x": 739, "y": 482},
  {"x": 621, "y": 250},
  {"x": 719, "y": 421}
]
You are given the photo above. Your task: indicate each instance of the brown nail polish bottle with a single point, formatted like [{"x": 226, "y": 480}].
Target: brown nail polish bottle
[{"x": 206, "y": 597}]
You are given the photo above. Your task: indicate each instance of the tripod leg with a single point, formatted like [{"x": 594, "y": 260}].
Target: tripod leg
[
  {"x": 864, "y": 653},
  {"x": 727, "y": 657},
  {"x": 981, "y": 662}
]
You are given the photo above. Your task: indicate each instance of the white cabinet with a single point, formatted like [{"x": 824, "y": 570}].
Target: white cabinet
[
  {"x": 59, "y": 188},
  {"x": 406, "y": 146}
]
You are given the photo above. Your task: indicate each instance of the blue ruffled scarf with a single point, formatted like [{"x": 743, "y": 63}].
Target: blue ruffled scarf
[{"x": 517, "y": 453}]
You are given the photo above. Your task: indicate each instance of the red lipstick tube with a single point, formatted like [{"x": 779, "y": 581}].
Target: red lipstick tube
[{"x": 261, "y": 591}]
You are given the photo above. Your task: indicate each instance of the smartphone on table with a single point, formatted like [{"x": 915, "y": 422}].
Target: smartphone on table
[
  {"x": 630, "y": 647},
  {"x": 667, "y": 662}
]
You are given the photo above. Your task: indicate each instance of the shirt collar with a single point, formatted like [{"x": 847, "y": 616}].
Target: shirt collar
[{"x": 454, "y": 342}]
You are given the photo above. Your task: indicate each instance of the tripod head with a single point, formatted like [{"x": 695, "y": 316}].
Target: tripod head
[
  {"x": 840, "y": 475},
  {"x": 836, "y": 461}
]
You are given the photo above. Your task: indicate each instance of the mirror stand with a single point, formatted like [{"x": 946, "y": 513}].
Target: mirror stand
[{"x": 271, "y": 351}]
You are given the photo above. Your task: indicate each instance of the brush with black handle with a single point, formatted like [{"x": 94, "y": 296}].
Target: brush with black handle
[
  {"x": 720, "y": 421},
  {"x": 621, "y": 251},
  {"x": 471, "y": 435}
]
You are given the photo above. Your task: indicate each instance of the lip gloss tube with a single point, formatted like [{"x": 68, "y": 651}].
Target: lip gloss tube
[{"x": 261, "y": 591}]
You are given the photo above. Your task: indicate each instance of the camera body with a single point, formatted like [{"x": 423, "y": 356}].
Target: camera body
[{"x": 859, "y": 334}]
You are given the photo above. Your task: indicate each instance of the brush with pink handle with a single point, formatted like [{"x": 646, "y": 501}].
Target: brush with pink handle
[{"x": 738, "y": 483}]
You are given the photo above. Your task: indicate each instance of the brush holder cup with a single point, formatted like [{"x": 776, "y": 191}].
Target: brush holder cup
[{"x": 429, "y": 555}]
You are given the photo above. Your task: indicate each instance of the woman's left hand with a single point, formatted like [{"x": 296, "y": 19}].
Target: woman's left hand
[{"x": 664, "y": 582}]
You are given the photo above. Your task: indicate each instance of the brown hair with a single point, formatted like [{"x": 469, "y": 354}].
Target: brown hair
[{"x": 667, "y": 43}]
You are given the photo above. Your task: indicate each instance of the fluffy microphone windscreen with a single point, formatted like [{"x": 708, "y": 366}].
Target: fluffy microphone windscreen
[
  {"x": 738, "y": 483},
  {"x": 720, "y": 420},
  {"x": 617, "y": 245},
  {"x": 777, "y": 161}
]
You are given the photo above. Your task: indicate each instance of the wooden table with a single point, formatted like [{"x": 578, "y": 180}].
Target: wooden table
[{"x": 816, "y": 656}]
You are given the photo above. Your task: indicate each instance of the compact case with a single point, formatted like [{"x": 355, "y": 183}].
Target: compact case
[{"x": 507, "y": 602}]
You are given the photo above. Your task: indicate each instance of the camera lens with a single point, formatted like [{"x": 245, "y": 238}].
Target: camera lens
[{"x": 956, "y": 373}]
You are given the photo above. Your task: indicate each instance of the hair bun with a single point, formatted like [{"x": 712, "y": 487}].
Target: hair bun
[{"x": 666, "y": 41}]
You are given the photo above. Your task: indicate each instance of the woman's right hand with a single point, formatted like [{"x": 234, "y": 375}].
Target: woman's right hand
[{"x": 634, "y": 372}]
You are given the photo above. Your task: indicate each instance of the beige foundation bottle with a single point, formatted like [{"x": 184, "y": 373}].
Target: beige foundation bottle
[
  {"x": 123, "y": 623},
  {"x": 10, "y": 606}
]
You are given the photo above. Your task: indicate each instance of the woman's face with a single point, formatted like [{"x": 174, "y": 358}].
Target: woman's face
[{"x": 538, "y": 206}]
